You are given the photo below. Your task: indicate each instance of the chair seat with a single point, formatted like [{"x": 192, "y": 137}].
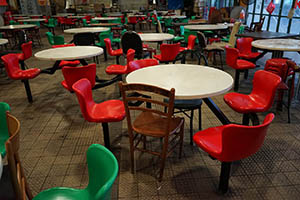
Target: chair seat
[
  {"x": 244, "y": 64},
  {"x": 116, "y": 69},
  {"x": 158, "y": 57},
  {"x": 242, "y": 103},
  {"x": 183, "y": 49},
  {"x": 62, "y": 193},
  {"x": 221, "y": 44},
  {"x": 210, "y": 140},
  {"x": 117, "y": 52},
  {"x": 26, "y": 74},
  {"x": 148, "y": 123},
  {"x": 249, "y": 56},
  {"x": 69, "y": 63},
  {"x": 213, "y": 48}
]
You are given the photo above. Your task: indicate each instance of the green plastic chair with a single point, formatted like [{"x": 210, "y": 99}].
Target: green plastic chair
[
  {"x": 103, "y": 170},
  {"x": 101, "y": 42},
  {"x": 58, "y": 39},
  {"x": 187, "y": 33},
  {"x": 168, "y": 22},
  {"x": 1, "y": 35},
  {"x": 85, "y": 24},
  {"x": 176, "y": 38},
  {"x": 13, "y": 22},
  {"x": 185, "y": 20},
  {"x": 50, "y": 38},
  {"x": 93, "y": 21},
  {"x": 4, "y": 135},
  {"x": 117, "y": 21},
  {"x": 193, "y": 17},
  {"x": 51, "y": 23},
  {"x": 35, "y": 23}
]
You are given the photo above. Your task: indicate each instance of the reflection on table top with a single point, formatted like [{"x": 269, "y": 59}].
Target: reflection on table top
[
  {"x": 69, "y": 53},
  {"x": 86, "y": 30},
  {"x": 189, "y": 81},
  {"x": 277, "y": 44},
  {"x": 105, "y": 18},
  {"x": 155, "y": 37},
  {"x": 206, "y": 27},
  {"x": 21, "y": 26},
  {"x": 266, "y": 35}
]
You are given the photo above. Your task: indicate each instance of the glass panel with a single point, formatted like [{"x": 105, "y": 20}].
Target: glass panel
[
  {"x": 265, "y": 23},
  {"x": 250, "y": 8},
  {"x": 287, "y": 4},
  {"x": 284, "y": 22},
  {"x": 273, "y": 24},
  {"x": 249, "y": 19},
  {"x": 295, "y": 27},
  {"x": 258, "y": 6}
]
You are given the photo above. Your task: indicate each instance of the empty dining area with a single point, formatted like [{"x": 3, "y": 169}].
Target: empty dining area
[{"x": 149, "y": 100}]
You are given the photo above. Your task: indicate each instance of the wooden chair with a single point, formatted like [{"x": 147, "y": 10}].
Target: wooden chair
[
  {"x": 12, "y": 145},
  {"x": 257, "y": 26},
  {"x": 152, "y": 122}
]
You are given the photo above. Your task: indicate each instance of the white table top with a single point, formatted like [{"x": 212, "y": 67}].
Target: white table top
[
  {"x": 86, "y": 30},
  {"x": 174, "y": 17},
  {"x": 1, "y": 166},
  {"x": 18, "y": 18},
  {"x": 32, "y": 20},
  {"x": 105, "y": 18},
  {"x": 21, "y": 26},
  {"x": 230, "y": 24},
  {"x": 156, "y": 37},
  {"x": 69, "y": 53},
  {"x": 114, "y": 14},
  {"x": 277, "y": 44},
  {"x": 19, "y": 15},
  {"x": 189, "y": 81},
  {"x": 206, "y": 27},
  {"x": 3, "y": 41}
]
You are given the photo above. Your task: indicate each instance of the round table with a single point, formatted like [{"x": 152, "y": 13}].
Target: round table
[
  {"x": 156, "y": 37},
  {"x": 86, "y": 30},
  {"x": 105, "y": 24},
  {"x": 174, "y": 17},
  {"x": 3, "y": 41},
  {"x": 206, "y": 27},
  {"x": 32, "y": 20},
  {"x": 69, "y": 53},
  {"x": 189, "y": 81},
  {"x": 105, "y": 18},
  {"x": 230, "y": 24},
  {"x": 21, "y": 26},
  {"x": 115, "y": 15},
  {"x": 277, "y": 46}
]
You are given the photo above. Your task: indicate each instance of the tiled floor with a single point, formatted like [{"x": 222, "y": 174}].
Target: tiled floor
[{"x": 55, "y": 137}]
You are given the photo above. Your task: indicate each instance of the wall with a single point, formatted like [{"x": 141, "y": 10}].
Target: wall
[{"x": 132, "y": 4}]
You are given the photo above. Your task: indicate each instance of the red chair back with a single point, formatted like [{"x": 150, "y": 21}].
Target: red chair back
[
  {"x": 69, "y": 21},
  {"x": 232, "y": 55},
  {"x": 239, "y": 142},
  {"x": 244, "y": 45},
  {"x": 61, "y": 20},
  {"x": 83, "y": 90},
  {"x": 132, "y": 20},
  {"x": 73, "y": 74},
  {"x": 108, "y": 46},
  {"x": 130, "y": 56},
  {"x": 264, "y": 87},
  {"x": 27, "y": 50},
  {"x": 11, "y": 63},
  {"x": 191, "y": 42},
  {"x": 139, "y": 64},
  {"x": 277, "y": 66},
  {"x": 169, "y": 51}
]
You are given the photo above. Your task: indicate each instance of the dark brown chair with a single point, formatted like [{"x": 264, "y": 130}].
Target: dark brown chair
[
  {"x": 152, "y": 122},
  {"x": 257, "y": 26}
]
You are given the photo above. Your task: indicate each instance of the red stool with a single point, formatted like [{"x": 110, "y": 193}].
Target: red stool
[
  {"x": 111, "y": 52},
  {"x": 121, "y": 69},
  {"x": 245, "y": 49},
  {"x": 26, "y": 53},
  {"x": 259, "y": 100},
  {"x": 168, "y": 52}
]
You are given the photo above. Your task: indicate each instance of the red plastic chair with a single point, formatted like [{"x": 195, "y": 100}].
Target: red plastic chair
[
  {"x": 239, "y": 65},
  {"x": 283, "y": 68},
  {"x": 139, "y": 64},
  {"x": 111, "y": 52},
  {"x": 62, "y": 22},
  {"x": 121, "y": 69},
  {"x": 245, "y": 49},
  {"x": 63, "y": 63},
  {"x": 190, "y": 45},
  {"x": 168, "y": 52},
  {"x": 26, "y": 53},
  {"x": 133, "y": 21},
  {"x": 69, "y": 22},
  {"x": 105, "y": 112},
  {"x": 73, "y": 74},
  {"x": 13, "y": 70},
  {"x": 230, "y": 143},
  {"x": 259, "y": 100}
]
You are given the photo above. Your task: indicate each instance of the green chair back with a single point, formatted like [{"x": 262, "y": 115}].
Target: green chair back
[
  {"x": 187, "y": 33},
  {"x": 123, "y": 31},
  {"x": 117, "y": 21},
  {"x": 168, "y": 22},
  {"x": 35, "y": 23},
  {"x": 4, "y": 135},
  {"x": 193, "y": 17},
  {"x": 185, "y": 20},
  {"x": 13, "y": 22},
  {"x": 241, "y": 30},
  {"x": 50, "y": 38},
  {"x": 93, "y": 21},
  {"x": 52, "y": 22},
  {"x": 103, "y": 170},
  {"x": 85, "y": 23},
  {"x": 58, "y": 39},
  {"x": 103, "y": 36},
  {"x": 182, "y": 30},
  {"x": 171, "y": 31}
]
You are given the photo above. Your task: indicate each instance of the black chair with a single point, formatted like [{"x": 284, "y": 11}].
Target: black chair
[
  {"x": 131, "y": 40},
  {"x": 84, "y": 39}
]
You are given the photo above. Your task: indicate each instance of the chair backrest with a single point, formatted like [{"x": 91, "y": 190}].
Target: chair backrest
[
  {"x": 130, "y": 56},
  {"x": 244, "y": 45},
  {"x": 240, "y": 141},
  {"x": 103, "y": 169},
  {"x": 132, "y": 20},
  {"x": 83, "y": 90},
  {"x": 27, "y": 50},
  {"x": 139, "y": 64},
  {"x": 50, "y": 38},
  {"x": 234, "y": 31},
  {"x": 169, "y": 51},
  {"x": 73, "y": 74},
  {"x": 171, "y": 31},
  {"x": 4, "y": 135},
  {"x": 11, "y": 63},
  {"x": 84, "y": 39},
  {"x": 103, "y": 36},
  {"x": 191, "y": 42},
  {"x": 157, "y": 104},
  {"x": 257, "y": 26},
  {"x": 58, "y": 39},
  {"x": 277, "y": 66},
  {"x": 108, "y": 46},
  {"x": 202, "y": 40},
  {"x": 12, "y": 146},
  {"x": 131, "y": 40},
  {"x": 264, "y": 87},
  {"x": 232, "y": 55},
  {"x": 85, "y": 22}
]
